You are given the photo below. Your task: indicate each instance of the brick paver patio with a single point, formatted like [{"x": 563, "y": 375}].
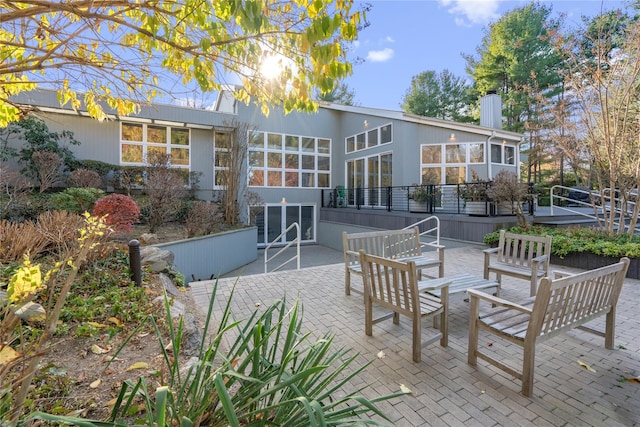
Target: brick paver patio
[{"x": 445, "y": 390}]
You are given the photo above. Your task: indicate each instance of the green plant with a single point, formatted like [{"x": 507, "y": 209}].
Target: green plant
[
  {"x": 419, "y": 193},
  {"x": 122, "y": 211},
  {"x": 474, "y": 191},
  {"x": 37, "y": 137},
  {"x": 25, "y": 285},
  {"x": 77, "y": 200},
  {"x": 579, "y": 240},
  {"x": 270, "y": 373}
]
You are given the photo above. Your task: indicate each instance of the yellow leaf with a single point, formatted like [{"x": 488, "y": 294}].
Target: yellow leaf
[
  {"x": 138, "y": 365},
  {"x": 7, "y": 354},
  {"x": 96, "y": 349},
  {"x": 634, "y": 379},
  {"x": 585, "y": 366},
  {"x": 96, "y": 383},
  {"x": 97, "y": 325},
  {"x": 115, "y": 321},
  {"x": 405, "y": 389}
]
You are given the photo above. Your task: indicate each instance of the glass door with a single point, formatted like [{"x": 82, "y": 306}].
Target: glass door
[{"x": 273, "y": 219}]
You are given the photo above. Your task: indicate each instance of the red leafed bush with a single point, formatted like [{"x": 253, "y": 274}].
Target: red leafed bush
[{"x": 122, "y": 211}]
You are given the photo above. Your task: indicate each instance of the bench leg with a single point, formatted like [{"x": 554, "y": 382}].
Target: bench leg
[
  {"x": 534, "y": 285},
  {"x": 417, "y": 339},
  {"x": 610, "y": 329},
  {"x": 472, "y": 351},
  {"x": 347, "y": 282},
  {"x": 528, "y": 364}
]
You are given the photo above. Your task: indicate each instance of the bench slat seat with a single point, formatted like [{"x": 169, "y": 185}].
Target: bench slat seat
[{"x": 561, "y": 304}]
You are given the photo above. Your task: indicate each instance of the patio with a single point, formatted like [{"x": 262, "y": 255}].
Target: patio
[{"x": 445, "y": 390}]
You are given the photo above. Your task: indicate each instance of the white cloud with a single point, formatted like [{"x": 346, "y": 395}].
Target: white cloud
[
  {"x": 380, "y": 55},
  {"x": 473, "y": 11},
  {"x": 390, "y": 39}
]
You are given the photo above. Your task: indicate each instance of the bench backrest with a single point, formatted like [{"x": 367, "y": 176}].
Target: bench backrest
[
  {"x": 391, "y": 284},
  {"x": 521, "y": 249},
  {"x": 384, "y": 243},
  {"x": 404, "y": 243},
  {"x": 570, "y": 301}
]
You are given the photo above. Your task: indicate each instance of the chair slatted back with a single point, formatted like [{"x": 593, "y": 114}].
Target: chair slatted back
[
  {"x": 391, "y": 284},
  {"x": 520, "y": 249}
]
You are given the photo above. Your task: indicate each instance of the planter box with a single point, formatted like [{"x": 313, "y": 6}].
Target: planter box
[
  {"x": 202, "y": 258},
  {"x": 477, "y": 208},
  {"x": 417, "y": 207},
  {"x": 588, "y": 261}
]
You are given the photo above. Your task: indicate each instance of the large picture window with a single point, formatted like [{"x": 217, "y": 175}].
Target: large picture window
[
  {"x": 373, "y": 172},
  {"x": 457, "y": 158},
  {"x": 280, "y": 160},
  {"x": 139, "y": 140}
]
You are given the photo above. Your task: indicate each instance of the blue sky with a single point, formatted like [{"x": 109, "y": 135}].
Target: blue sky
[{"x": 408, "y": 37}]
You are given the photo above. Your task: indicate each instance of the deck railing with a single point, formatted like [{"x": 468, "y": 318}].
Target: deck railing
[{"x": 438, "y": 199}]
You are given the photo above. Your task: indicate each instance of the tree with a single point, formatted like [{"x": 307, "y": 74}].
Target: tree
[
  {"x": 442, "y": 96},
  {"x": 518, "y": 60},
  {"x": 605, "y": 82},
  {"x": 340, "y": 94},
  {"x": 118, "y": 51}
]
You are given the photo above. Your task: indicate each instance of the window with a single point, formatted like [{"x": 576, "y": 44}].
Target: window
[
  {"x": 457, "y": 158},
  {"x": 504, "y": 154},
  {"x": 221, "y": 157},
  {"x": 368, "y": 139},
  {"x": 277, "y": 160},
  {"x": 138, "y": 141}
]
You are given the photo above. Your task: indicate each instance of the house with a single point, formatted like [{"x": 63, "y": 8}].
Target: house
[{"x": 293, "y": 158}]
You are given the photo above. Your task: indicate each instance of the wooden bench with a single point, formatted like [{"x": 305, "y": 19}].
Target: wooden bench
[
  {"x": 393, "y": 285},
  {"x": 403, "y": 245},
  {"x": 519, "y": 255},
  {"x": 560, "y": 305}
]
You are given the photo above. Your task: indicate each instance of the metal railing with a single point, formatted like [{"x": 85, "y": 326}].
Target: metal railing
[
  {"x": 295, "y": 241},
  {"x": 428, "y": 232},
  {"x": 436, "y": 199},
  {"x": 600, "y": 203}
]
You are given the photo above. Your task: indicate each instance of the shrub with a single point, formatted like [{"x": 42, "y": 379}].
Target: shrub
[
  {"x": 78, "y": 200},
  {"x": 165, "y": 188},
  {"x": 202, "y": 218},
  {"x": 85, "y": 178},
  {"x": 36, "y": 137},
  {"x": 14, "y": 191},
  {"x": 122, "y": 211},
  {"x": 46, "y": 166},
  {"x": 59, "y": 228},
  {"x": 18, "y": 239}
]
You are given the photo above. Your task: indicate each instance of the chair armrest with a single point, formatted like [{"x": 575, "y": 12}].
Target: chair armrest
[
  {"x": 491, "y": 251},
  {"x": 540, "y": 258},
  {"x": 497, "y": 301}
]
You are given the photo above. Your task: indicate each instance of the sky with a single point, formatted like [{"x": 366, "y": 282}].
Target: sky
[{"x": 407, "y": 37}]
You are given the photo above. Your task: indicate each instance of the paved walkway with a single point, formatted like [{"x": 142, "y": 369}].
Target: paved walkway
[{"x": 445, "y": 390}]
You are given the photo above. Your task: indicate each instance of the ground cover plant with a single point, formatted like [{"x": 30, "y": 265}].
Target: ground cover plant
[
  {"x": 579, "y": 240},
  {"x": 94, "y": 348}
]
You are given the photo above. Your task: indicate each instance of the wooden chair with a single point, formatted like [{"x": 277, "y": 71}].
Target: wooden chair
[
  {"x": 394, "y": 285},
  {"x": 519, "y": 255},
  {"x": 560, "y": 305}
]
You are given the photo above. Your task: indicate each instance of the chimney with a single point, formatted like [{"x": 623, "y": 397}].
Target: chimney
[{"x": 491, "y": 110}]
